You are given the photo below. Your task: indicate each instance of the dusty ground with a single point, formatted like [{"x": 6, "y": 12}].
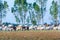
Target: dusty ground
[{"x": 30, "y": 35}]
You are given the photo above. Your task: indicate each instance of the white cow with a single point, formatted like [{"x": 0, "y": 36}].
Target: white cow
[
  {"x": 59, "y": 27},
  {"x": 55, "y": 28},
  {"x": 39, "y": 27},
  {"x": 4, "y": 28},
  {"x": 31, "y": 27},
  {"x": 35, "y": 27},
  {"x": 47, "y": 28},
  {"x": 42, "y": 28},
  {"x": 9, "y": 28}
]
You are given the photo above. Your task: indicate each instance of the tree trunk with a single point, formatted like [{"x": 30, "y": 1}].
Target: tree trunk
[
  {"x": 0, "y": 19},
  {"x": 24, "y": 17},
  {"x": 42, "y": 12},
  {"x": 56, "y": 22}
]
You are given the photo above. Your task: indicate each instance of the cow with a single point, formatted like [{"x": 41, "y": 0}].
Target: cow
[
  {"x": 42, "y": 28},
  {"x": 30, "y": 27},
  {"x": 59, "y": 27},
  {"x": 4, "y": 28},
  {"x": 19, "y": 27},
  {"x": 11, "y": 28},
  {"x": 25, "y": 28},
  {"x": 38, "y": 28},
  {"x": 35, "y": 27},
  {"x": 55, "y": 27},
  {"x": 47, "y": 28}
]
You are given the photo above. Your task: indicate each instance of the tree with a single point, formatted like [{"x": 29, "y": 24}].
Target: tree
[
  {"x": 31, "y": 14},
  {"x": 3, "y": 7},
  {"x": 42, "y": 7},
  {"x": 30, "y": 7},
  {"x": 20, "y": 6},
  {"x": 28, "y": 19},
  {"x": 54, "y": 11},
  {"x": 33, "y": 20},
  {"x": 13, "y": 11},
  {"x": 37, "y": 10}
]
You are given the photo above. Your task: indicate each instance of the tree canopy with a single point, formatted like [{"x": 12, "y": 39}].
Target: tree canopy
[{"x": 54, "y": 10}]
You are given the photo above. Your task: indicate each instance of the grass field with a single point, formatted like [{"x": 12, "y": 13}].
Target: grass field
[{"x": 30, "y": 35}]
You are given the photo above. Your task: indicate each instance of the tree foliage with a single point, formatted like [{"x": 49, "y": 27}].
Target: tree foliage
[
  {"x": 36, "y": 7},
  {"x": 3, "y": 7},
  {"x": 54, "y": 9},
  {"x": 20, "y": 6}
]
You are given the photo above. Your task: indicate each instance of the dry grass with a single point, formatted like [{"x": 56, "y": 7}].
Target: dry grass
[{"x": 30, "y": 35}]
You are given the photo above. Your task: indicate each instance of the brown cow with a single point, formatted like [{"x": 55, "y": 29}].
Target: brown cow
[{"x": 19, "y": 27}]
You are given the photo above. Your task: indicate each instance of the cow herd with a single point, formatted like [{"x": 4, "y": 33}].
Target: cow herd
[{"x": 31, "y": 27}]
